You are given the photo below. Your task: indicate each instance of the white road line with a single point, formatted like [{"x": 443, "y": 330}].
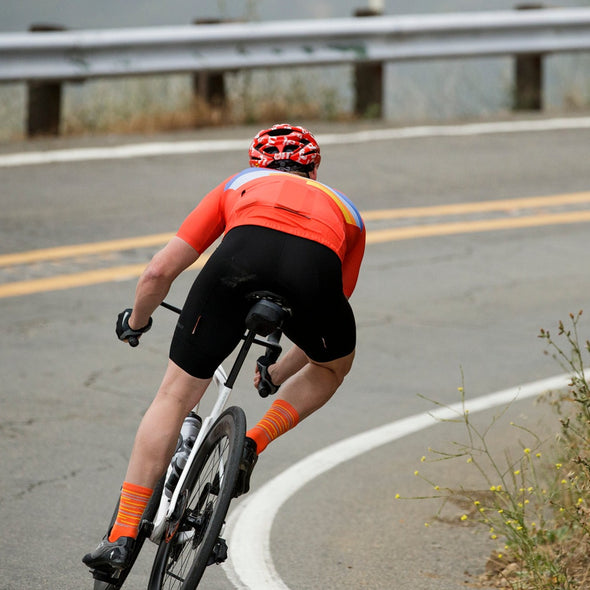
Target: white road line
[
  {"x": 250, "y": 565},
  {"x": 141, "y": 150},
  {"x": 138, "y": 150}
]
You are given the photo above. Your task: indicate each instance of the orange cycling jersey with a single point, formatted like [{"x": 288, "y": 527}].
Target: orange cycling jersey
[{"x": 285, "y": 202}]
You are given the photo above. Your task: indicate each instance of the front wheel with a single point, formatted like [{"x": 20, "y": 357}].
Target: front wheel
[{"x": 192, "y": 542}]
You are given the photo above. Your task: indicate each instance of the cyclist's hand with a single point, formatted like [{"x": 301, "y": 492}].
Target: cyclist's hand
[
  {"x": 262, "y": 380},
  {"x": 125, "y": 332}
]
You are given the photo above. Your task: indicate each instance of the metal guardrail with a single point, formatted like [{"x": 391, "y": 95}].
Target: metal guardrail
[{"x": 79, "y": 55}]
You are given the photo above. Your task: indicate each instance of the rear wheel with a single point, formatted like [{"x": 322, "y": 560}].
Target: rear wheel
[{"x": 192, "y": 541}]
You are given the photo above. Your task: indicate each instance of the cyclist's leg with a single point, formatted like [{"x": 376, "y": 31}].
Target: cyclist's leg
[
  {"x": 154, "y": 446},
  {"x": 311, "y": 387},
  {"x": 322, "y": 327},
  {"x": 301, "y": 395},
  {"x": 157, "y": 434},
  {"x": 318, "y": 379}
]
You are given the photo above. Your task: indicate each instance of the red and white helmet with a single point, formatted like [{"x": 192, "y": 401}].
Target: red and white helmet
[{"x": 284, "y": 142}]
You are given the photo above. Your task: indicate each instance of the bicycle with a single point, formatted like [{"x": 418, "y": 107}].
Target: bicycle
[{"x": 186, "y": 523}]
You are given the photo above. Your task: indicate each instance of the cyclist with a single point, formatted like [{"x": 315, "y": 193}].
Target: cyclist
[{"x": 283, "y": 232}]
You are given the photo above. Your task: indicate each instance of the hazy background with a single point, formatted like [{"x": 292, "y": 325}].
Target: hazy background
[
  {"x": 414, "y": 92},
  {"x": 17, "y": 15}
]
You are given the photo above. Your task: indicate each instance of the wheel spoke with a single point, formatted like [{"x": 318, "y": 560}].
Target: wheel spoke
[{"x": 173, "y": 575}]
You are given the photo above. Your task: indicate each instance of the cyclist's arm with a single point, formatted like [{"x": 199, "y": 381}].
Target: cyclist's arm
[
  {"x": 352, "y": 260},
  {"x": 207, "y": 221},
  {"x": 156, "y": 279}
]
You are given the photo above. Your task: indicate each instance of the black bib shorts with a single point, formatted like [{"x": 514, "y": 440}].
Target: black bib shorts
[{"x": 253, "y": 258}]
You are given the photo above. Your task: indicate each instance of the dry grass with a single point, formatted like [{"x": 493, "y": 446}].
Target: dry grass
[{"x": 161, "y": 104}]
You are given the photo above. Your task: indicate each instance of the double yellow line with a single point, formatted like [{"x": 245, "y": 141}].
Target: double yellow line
[
  {"x": 482, "y": 225},
  {"x": 132, "y": 271}
]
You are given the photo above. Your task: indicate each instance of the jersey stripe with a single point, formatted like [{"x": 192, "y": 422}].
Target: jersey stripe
[
  {"x": 350, "y": 212},
  {"x": 247, "y": 175}
]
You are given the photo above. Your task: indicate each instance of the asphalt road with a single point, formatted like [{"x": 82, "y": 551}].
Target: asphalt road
[{"x": 447, "y": 298}]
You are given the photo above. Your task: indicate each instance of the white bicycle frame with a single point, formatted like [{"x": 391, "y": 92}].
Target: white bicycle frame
[{"x": 168, "y": 505}]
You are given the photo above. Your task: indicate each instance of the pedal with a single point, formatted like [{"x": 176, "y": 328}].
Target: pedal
[
  {"x": 107, "y": 577},
  {"x": 218, "y": 553}
]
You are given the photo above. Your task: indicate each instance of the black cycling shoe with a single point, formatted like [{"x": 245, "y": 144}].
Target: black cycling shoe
[
  {"x": 249, "y": 458},
  {"x": 111, "y": 556}
]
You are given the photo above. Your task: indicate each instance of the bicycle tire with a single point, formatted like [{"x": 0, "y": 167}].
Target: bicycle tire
[
  {"x": 207, "y": 492},
  {"x": 148, "y": 515}
]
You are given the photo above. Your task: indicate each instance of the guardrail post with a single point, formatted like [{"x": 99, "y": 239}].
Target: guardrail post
[
  {"x": 210, "y": 86},
  {"x": 368, "y": 80},
  {"x": 528, "y": 72},
  {"x": 43, "y": 99}
]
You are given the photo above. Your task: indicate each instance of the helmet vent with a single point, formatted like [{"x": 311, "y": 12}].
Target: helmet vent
[{"x": 277, "y": 132}]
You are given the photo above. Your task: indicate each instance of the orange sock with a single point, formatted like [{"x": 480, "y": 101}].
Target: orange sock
[
  {"x": 281, "y": 416},
  {"x": 133, "y": 501}
]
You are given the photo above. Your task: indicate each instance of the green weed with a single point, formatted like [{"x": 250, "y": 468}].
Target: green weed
[{"x": 535, "y": 502}]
